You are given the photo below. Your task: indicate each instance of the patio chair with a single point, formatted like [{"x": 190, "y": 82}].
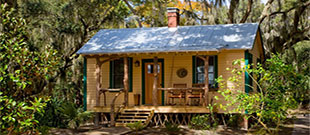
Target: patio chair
[
  {"x": 195, "y": 94},
  {"x": 172, "y": 94}
]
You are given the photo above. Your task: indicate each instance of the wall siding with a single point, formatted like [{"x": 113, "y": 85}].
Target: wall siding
[
  {"x": 173, "y": 62},
  {"x": 257, "y": 53}
]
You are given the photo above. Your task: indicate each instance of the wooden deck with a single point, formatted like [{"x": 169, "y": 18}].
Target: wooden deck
[{"x": 160, "y": 109}]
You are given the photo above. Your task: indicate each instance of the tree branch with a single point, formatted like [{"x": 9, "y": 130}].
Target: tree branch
[
  {"x": 231, "y": 11},
  {"x": 247, "y": 13},
  {"x": 134, "y": 12}
]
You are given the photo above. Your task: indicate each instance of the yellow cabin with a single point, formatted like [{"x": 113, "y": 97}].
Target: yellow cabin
[{"x": 164, "y": 70}]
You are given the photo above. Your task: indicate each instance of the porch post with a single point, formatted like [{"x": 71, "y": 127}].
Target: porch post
[
  {"x": 98, "y": 86},
  {"x": 154, "y": 97},
  {"x": 126, "y": 84},
  {"x": 206, "y": 75}
]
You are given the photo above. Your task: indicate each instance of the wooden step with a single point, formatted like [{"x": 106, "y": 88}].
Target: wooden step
[{"x": 134, "y": 115}]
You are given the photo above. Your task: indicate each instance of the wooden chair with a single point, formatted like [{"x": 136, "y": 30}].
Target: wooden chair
[
  {"x": 195, "y": 93},
  {"x": 172, "y": 94}
]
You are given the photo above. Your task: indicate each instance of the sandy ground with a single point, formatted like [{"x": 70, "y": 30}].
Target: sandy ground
[{"x": 300, "y": 126}]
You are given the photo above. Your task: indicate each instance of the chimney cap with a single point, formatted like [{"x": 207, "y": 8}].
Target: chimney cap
[{"x": 173, "y": 10}]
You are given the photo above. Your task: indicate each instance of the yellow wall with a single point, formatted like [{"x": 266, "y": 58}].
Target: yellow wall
[{"x": 172, "y": 62}]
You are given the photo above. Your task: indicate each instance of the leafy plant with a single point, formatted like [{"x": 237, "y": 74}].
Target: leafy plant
[
  {"x": 200, "y": 122},
  {"x": 74, "y": 116},
  {"x": 274, "y": 96},
  {"x": 23, "y": 75},
  {"x": 18, "y": 117},
  {"x": 172, "y": 128},
  {"x": 136, "y": 126}
]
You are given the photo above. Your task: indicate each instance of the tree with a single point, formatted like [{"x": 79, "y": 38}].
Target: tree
[
  {"x": 277, "y": 87},
  {"x": 66, "y": 26},
  {"x": 22, "y": 76}
]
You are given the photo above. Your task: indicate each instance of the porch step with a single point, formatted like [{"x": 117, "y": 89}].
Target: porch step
[{"x": 134, "y": 115}]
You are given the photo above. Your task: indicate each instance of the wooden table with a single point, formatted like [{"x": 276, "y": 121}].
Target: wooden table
[{"x": 182, "y": 89}]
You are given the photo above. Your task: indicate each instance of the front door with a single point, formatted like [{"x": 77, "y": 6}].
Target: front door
[{"x": 149, "y": 80}]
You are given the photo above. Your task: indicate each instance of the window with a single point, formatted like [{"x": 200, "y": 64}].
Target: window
[
  {"x": 198, "y": 70},
  {"x": 117, "y": 73}
]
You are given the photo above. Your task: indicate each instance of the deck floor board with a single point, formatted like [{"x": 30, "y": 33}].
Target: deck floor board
[{"x": 160, "y": 109}]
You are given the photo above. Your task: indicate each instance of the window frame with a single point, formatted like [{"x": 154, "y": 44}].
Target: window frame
[
  {"x": 112, "y": 70},
  {"x": 215, "y": 71}
]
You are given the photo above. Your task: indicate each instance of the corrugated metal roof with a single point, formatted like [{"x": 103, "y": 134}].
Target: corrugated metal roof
[{"x": 164, "y": 39}]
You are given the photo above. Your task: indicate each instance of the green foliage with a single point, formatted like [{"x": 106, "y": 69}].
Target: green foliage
[
  {"x": 200, "y": 122},
  {"x": 18, "y": 117},
  {"x": 63, "y": 114},
  {"x": 136, "y": 126},
  {"x": 74, "y": 116},
  {"x": 23, "y": 72},
  {"x": 23, "y": 75},
  {"x": 234, "y": 120},
  {"x": 277, "y": 86},
  {"x": 172, "y": 128}
]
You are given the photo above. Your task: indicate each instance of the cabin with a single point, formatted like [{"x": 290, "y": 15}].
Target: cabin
[{"x": 167, "y": 73}]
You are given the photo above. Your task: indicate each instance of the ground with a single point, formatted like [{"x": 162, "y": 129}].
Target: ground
[{"x": 299, "y": 126}]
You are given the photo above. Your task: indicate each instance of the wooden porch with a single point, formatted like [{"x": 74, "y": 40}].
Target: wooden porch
[{"x": 159, "y": 109}]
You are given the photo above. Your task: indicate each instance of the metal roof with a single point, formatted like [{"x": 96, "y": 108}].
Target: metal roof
[{"x": 164, "y": 39}]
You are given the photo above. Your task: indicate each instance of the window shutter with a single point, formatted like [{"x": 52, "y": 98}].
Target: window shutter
[
  {"x": 194, "y": 69},
  {"x": 215, "y": 70},
  {"x": 248, "y": 80},
  {"x": 130, "y": 74}
]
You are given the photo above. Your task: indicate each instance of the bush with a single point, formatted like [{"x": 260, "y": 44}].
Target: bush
[
  {"x": 136, "y": 126},
  {"x": 18, "y": 117},
  {"x": 171, "y": 128},
  {"x": 234, "y": 120},
  {"x": 200, "y": 122},
  {"x": 63, "y": 114}
]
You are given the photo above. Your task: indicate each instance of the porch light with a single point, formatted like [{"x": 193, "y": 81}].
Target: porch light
[{"x": 137, "y": 63}]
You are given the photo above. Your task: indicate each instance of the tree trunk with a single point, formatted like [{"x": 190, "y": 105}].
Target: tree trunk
[
  {"x": 112, "y": 113},
  {"x": 126, "y": 84},
  {"x": 154, "y": 98},
  {"x": 231, "y": 11},
  {"x": 98, "y": 86},
  {"x": 206, "y": 75},
  {"x": 247, "y": 13}
]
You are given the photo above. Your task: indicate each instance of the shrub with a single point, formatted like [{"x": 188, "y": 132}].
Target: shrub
[
  {"x": 18, "y": 117},
  {"x": 200, "y": 122},
  {"x": 136, "y": 126},
  {"x": 171, "y": 128}
]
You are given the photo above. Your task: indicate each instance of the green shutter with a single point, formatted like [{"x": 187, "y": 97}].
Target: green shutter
[
  {"x": 248, "y": 81},
  {"x": 85, "y": 84},
  {"x": 215, "y": 70},
  {"x": 194, "y": 69}
]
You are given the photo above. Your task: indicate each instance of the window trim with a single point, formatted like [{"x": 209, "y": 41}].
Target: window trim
[{"x": 194, "y": 78}]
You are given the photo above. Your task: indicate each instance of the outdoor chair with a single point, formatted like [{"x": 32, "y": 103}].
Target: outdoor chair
[
  {"x": 179, "y": 94},
  {"x": 195, "y": 94}
]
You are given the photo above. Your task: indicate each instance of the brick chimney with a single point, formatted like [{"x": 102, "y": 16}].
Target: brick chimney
[{"x": 173, "y": 17}]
